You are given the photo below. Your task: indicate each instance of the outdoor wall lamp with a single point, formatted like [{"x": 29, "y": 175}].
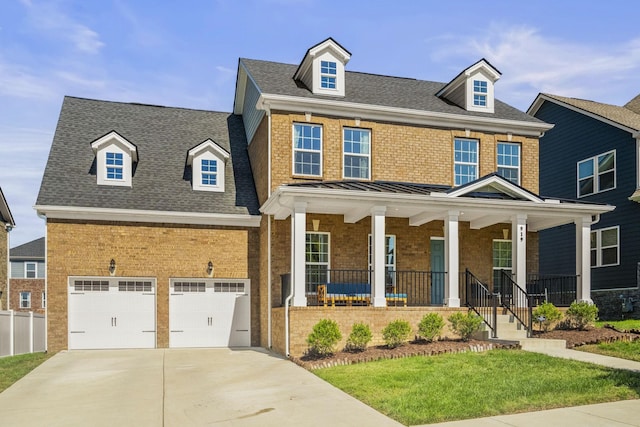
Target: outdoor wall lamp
[
  {"x": 112, "y": 267},
  {"x": 210, "y": 269}
]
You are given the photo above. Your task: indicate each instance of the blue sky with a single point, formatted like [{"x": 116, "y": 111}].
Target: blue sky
[{"x": 185, "y": 54}]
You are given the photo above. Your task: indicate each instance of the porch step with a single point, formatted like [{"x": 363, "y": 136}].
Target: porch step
[
  {"x": 535, "y": 344},
  {"x": 509, "y": 328}
]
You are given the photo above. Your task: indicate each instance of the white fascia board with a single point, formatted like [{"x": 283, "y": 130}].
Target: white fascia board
[
  {"x": 134, "y": 215},
  {"x": 113, "y": 135},
  {"x": 399, "y": 115},
  {"x": 284, "y": 196},
  {"x": 541, "y": 98},
  {"x": 241, "y": 87},
  {"x": 503, "y": 185},
  {"x": 206, "y": 146}
]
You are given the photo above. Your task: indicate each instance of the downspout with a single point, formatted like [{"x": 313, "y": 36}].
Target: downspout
[
  {"x": 288, "y": 299},
  {"x": 269, "y": 276},
  {"x": 8, "y": 228}
]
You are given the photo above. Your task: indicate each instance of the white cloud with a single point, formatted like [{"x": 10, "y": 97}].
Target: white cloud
[
  {"x": 19, "y": 81},
  {"x": 48, "y": 18}
]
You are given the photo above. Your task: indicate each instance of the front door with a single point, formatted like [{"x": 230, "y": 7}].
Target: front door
[{"x": 437, "y": 271}]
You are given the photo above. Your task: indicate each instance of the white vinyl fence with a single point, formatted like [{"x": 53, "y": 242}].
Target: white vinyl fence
[{"x": 21, "y": 333}]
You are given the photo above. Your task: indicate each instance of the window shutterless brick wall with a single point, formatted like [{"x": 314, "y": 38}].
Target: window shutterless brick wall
[
  {"x": 406, "y": 153},
  {"x": 35, "y": 286},
  {"x": 160, "y": 251}
]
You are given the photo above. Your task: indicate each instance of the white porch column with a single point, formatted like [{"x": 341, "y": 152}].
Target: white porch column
[
  {"x": 583, "y": 258},
  {"x": 519, "y": 249},
  {"x": 298, "y": 251},
  {"x": 451, "y": 259},
  {"x": 378, "y": 255}
]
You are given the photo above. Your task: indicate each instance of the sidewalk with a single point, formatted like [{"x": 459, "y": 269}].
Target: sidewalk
[{"x": 614, "y": 414}]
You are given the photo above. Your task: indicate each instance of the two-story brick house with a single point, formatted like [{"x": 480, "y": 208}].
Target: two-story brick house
[
  {"x": 27, "y": 277},
  {"x": 7, "y": 223},
  {"x": 390, "y": 188}
]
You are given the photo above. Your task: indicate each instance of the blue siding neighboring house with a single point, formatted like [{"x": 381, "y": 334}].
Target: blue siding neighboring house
[{"x": 592, "y": 154}]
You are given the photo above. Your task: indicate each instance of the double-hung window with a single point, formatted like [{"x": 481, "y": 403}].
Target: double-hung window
[
  {"x": 509, "y": 161},
  {"x": 501, "y": 261},
  {"x": 597, "y": 174},
  {"x": 30, "y": 270},
  {"x": 317, "y": 260},
  {"x": 328, "y": 74},
  {"x": 25, "y": 299},
  {"x": 115, "y": 165},
  {"x": 605, "y": 247},
  {"x": 209, "y": 172},
  {"x": 465, "y": 161},
  {"x": 479, "y": 93},
  {"x": 357, "y": 153},
  {"x": 307, "y": 149}
]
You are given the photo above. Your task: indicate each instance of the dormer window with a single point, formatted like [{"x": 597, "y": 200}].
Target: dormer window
[
  {"x": 479, "y": 93},
  {"x": 322, "y": 68},
  {"x": 207, "y": 161},
  {"x": 328, "y": 74},
  {"x": 114, "y": 160}
]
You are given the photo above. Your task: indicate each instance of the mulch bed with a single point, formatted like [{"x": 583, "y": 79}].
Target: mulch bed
[{"x": 573, "y": 338}]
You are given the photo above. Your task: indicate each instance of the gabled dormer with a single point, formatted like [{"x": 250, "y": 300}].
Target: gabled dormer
[
  {"x": 207, "y": 161},
  {"x": 322, "y": 68},
  {"x": 472, "y": 89},
  {"x": 115, "y": 157}
]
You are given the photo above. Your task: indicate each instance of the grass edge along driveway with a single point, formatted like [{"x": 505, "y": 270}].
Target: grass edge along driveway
[
  {"x": 12, "y": 368},
  {"x": 422, "y": 390}
]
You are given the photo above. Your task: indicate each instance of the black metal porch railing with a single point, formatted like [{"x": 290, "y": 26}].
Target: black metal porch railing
[
  {"x": 517, "y": 301},
  {"x": 558, "y": 289},
  {"x": 479, "y": 299}
]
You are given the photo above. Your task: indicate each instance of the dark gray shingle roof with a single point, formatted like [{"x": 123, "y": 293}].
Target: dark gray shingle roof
[
  {"x": 32, "y": 250},
  {"x": 373, "y": 89},
  {"x": 161, "y": 180}
]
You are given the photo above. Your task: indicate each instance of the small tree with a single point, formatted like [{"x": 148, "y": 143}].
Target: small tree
[
  {"x": 465, "y": 325},
  {"x": 430, "y": 327},
  {"x": 359, "y": 337},
  {"x": 582, "y": 314},
  {"x": 396, "y": 333},
  {"x": 546, "y": 314},
  {"x": 324, "y": 337}
]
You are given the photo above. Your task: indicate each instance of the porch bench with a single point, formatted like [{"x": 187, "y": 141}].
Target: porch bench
[{"x": 350, "y": 293}]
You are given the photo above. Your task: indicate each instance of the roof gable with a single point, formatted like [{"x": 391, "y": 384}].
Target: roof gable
[
  {"x": 325, "y": 60},
  {"x": 114, "y": 137},
  {"x": 494, "y": 183},
  {"x": 5, "y": 212},
  {"x": 34, "y": 249},
  {"x": 207, "y": 146},
  {"x": 460, "y": 90}
]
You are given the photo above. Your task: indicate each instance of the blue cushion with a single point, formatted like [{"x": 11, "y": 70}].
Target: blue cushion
[{"x": 399, "y": 296}]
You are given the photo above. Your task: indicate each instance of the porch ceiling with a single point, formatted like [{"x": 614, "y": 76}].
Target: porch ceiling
[{"x": 480, "y": 210}]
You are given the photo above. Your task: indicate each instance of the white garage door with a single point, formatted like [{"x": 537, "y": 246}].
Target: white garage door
[
  {"x": 209, "y": 313},
  {"x": 112, "y": 313}
]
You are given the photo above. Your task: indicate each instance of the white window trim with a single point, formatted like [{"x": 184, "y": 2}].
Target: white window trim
[
  {"x": 480, "y": 93},
  {"x": 368, "y": 156},
  {"x": 493, "y": 259},
  {"x": 207, "y": 150},
  {"x": 476, "y": 164},
  {"x": 334, "y": 76},
  {"x": 519, "y": 167},
  {"x": 114, "y": 143},
  {"x": 328, "y": 263},
  {"x": 35, "y": 269},
  {"x": 599, "y": 247},
  {"x": 294, "y": 149},
  {"x": 28, "y": 299},
  {"x": 596, "y": 174}
]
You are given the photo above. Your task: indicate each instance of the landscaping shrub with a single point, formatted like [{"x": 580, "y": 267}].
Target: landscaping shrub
[
  {"x": 430, "y": 327},
  {"x": 324, "y": 337},
  {"x": 396, "y": 333},
  {"x": 582, "y": 314},
  {"x": 359, "y": 337},
  {"x": 465, "y": 325},
  {"x": 546, "y": 314}
]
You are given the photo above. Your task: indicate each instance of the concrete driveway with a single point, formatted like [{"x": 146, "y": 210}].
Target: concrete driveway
[{"x": 166, "y": 387}]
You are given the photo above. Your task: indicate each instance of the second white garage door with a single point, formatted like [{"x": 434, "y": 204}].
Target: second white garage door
[{"x": 209, "y": 313}]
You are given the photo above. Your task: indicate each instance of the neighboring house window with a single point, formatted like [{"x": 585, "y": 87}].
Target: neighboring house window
[
  {"x": 605, "y": 247},
  {"x": 509, "y": 161},
  {"x": 30, "y": 270},
  {"x": 501, "y": 261},
  {"x": 328, "y": 73},
  {"x": 465, "y": 161},
  {"x": 479, "y": 93},
  {"x": 389, "y": 258},
  {"x": 317, "y": 260},
  {"x": 307, "y": 149},
  {"x": 357, "y": 153},
  {"x": 597, "y": 174},
  {"x": 25, "y": 299},
  {"x": 44, "y": 300},
  {"x": 209, "y": 172},
  {"x": 115, "y": 165}
]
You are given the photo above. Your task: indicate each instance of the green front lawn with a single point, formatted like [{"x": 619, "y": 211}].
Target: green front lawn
[
  {"x": 623, "y": 325},
  {"x": 621, "y": 349},
  {"x": 15, "y": 367},
  {"x": 420, "y": 390}
]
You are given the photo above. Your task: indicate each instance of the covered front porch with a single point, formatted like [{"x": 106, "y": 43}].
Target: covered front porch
[{"x": 383, "y": 244}]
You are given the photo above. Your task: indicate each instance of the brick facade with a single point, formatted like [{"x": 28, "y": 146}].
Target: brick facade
[
  {"x": 160, "y": 251},
  {"x": 4, "y": 273},
  {"x": 35, "y": 286}
]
